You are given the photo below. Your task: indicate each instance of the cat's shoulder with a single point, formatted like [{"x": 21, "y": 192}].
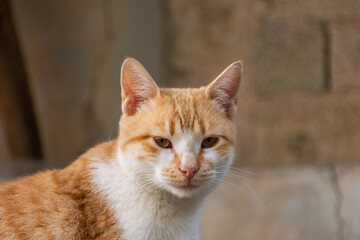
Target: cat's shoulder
[
  {"x": 104, "y": 151},
  {"x": 45, "y": 179}
]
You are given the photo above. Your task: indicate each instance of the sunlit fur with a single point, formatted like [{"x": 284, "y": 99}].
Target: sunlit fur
[{"x": 131, "y": 188}]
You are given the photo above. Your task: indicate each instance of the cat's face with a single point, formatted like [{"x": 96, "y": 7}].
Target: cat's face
[{"x": 177, "y": 140}]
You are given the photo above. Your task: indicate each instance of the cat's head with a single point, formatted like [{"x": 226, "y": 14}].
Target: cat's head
[{"x": 177, "y": 140}]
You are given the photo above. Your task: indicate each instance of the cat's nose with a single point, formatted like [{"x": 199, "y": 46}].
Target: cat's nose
[{"x": 189, "y": 171}]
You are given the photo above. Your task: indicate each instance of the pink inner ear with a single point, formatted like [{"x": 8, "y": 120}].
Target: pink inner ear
[
  {"x": 135, "y": 101},
  {"x": 137, "y": 86},
  {"x": 224, "y": 88},
  {"x": 132, "y": 97},
  {"x": 226, "y": 101}
]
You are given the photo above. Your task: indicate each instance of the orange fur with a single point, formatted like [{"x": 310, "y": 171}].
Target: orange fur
[{"x": 58, "y": 204}]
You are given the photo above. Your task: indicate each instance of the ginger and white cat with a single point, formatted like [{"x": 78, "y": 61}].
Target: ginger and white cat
[{"x": 174, "y": 147}]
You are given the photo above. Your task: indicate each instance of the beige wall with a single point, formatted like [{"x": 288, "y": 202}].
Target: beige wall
[{"x": 300, "y": 99}]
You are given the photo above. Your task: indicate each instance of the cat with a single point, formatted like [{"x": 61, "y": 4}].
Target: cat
[{"x": 174, "y": 147}]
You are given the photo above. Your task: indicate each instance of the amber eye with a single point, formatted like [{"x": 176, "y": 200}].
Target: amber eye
[
  {"x": 209, "y": 142},
  {"x": 163, "y": 142}
]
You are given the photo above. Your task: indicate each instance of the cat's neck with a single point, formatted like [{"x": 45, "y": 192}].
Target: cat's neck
[{"x": 143, "y": 211}]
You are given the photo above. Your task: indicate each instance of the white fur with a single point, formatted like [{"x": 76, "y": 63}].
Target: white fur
[
  {"x": 146, "y": 214},
  {"x": 147, "y": 211}
]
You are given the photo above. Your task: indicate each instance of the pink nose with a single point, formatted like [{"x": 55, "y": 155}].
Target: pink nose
[{"x": 189, "y": 171}]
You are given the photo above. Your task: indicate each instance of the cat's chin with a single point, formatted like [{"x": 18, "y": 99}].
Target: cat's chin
[{"x": 184, "y": 191}]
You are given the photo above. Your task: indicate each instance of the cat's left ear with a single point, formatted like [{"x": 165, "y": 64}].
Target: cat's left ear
[
  {"x": 137, "y": 86},
  {"x": 223, "y": 90}
]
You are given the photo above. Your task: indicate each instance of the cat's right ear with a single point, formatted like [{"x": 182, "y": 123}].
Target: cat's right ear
[{"x": 137, "y": 86}]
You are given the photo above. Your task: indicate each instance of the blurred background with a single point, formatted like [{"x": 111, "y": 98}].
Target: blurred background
[{"x": 299, "y": 106}]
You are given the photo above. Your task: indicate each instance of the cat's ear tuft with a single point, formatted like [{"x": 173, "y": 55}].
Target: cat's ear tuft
[
  {"x": 137, "y": 86},
  {"x": 223, "y": 90}
]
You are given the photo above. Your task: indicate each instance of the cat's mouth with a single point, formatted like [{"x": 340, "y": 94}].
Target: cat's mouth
[
  {"x": 184, "y": 189},
  {"x": 188, "y": 185}
]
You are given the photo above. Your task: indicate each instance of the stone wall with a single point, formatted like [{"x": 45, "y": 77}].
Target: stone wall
[
  {"x": 288, "y": 204},
  {"x": 300, "y": 98},
  {"x": 299, "y": 111}
]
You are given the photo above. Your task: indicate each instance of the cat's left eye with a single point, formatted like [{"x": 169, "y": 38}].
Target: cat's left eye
[
  {"x": 209, "y": 142},
  {"x": 163, "y": 142}
]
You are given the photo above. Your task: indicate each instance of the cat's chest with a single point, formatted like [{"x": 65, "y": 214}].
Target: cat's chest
[
  {"x": 155, "y": 219},
  {"x": 146, "y": 215}
]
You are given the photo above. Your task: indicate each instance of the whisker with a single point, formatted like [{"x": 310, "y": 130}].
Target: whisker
[
  {"x": 241, "y": 178},
  {"x": 237, "y": 175},
  {"x": 250, "y": 191},
  {"x": 238, "y": 169},
  {"x": 242, "y": 170},
  {"x": 232, "y": 184}
]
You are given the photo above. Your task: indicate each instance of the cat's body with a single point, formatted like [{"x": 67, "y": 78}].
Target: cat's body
[
  {"x": 174, "y": 147},
  {"x": 58, "y": 204}
]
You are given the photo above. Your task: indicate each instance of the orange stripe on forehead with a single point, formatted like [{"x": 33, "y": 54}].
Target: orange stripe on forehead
[
  {"x": 161, "y": 125},
  {"x": 196, "y": 114},
  {"x": 172, "y": 127},
  {"x": 183, "y": 114},
  {"x": 173, "y": 120},
  {"x": 181, "y": 119},
  {"x": 192, "y": 125},
  {"x": 202, "y": 126},
  {"x": 186, "y": 109}
]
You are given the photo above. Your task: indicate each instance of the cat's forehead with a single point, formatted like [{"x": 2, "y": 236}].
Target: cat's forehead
[
  {"x": 186, "y": 110},
  {"x": 186, "y": 114},
  {"x": 183, "y": 98}
]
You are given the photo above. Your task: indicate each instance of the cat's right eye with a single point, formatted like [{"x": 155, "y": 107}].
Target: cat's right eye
[{"x": 163, "y": 142}]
